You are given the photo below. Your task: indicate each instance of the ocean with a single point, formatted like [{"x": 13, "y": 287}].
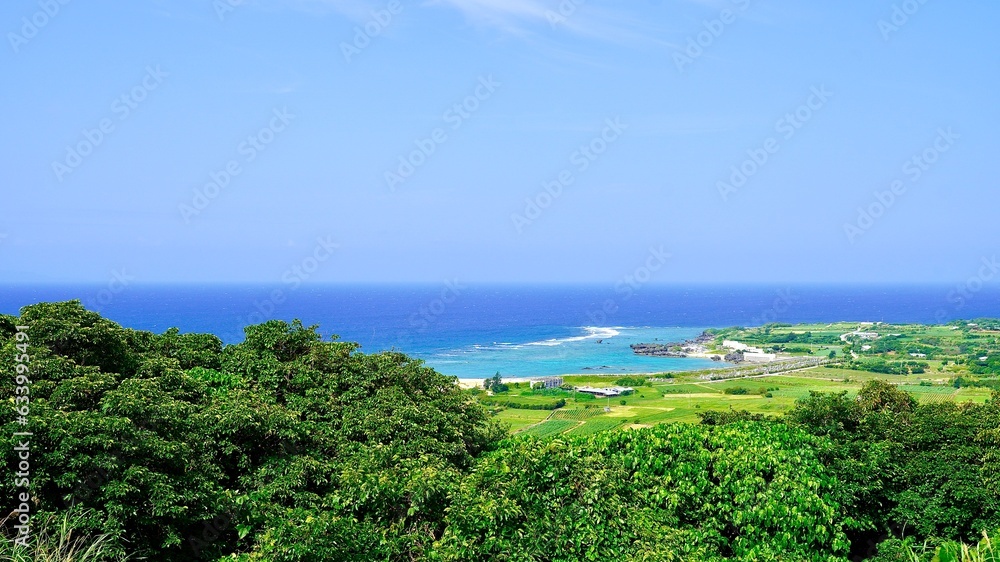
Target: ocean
[{"x": 474, "y": 331}]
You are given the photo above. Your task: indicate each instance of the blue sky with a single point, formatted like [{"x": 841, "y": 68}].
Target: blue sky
[{"x": 396, "y": 142}]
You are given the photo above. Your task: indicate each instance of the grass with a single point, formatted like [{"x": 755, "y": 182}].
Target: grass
[
  {"x": 577, "y": 414},
  {"x": 519, "y": 419},
  {"x": 596, "y": 426},
  {"x": 683, "y": 398},
  {"x": 55, "y": 541},
  {"x": 985, "y": 551},
  {"x": 551, "y": 427}
]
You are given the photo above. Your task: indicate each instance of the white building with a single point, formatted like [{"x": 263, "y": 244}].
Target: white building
[
  {"x": 548, "y": 382},
  {"x": 758, "y": 357},
  {"x": 737, "y": 346},
  {"x": 606, "y": 392}
]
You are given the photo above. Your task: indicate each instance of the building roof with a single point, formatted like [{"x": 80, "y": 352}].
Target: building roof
[{"x": 608, "y": 391}]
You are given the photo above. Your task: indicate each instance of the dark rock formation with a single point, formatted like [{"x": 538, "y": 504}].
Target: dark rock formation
[{"x": 657, "y": 350}]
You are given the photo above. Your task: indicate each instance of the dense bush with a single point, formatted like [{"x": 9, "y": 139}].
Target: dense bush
[
  {"x": 633, "y": 381},
  {"x": 877, "y": 365},
  {"x": 287, "y": 448},
  {"x": 179, "y": 449},
  {"x": 927, "y": 470},
  {"x": 554, "y": 405},
  {"x": 747, "y": 491}
]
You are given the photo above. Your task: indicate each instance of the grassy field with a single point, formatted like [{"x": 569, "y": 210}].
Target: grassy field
[
  {"x": 946, "y": 355},
  {"x": 519, "y": 419},
  {"x": 682, "y": 400}
]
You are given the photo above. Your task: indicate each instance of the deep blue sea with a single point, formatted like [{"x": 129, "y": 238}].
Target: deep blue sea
[{"x": 473, "y": 331}]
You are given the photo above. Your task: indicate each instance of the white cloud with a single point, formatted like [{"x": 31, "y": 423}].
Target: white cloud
[
  {"x": 543, "y": 19},
  {"x": 508, "y": 15}
]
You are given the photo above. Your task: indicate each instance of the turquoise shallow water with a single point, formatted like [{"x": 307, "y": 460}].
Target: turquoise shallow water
[
  {"x": 473, "y": 331},
  {"x": 578, "y": 352}
]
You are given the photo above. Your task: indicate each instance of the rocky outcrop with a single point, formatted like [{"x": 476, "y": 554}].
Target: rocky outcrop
[
  {"x": 658, "y": 349},
  {"x": 674, "y": 349}
]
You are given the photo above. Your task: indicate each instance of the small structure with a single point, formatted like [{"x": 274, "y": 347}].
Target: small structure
[
  {"x": 606, "y": 392},
  {"x": 867, "y": 335},
  {"x": 548, "y": 382},
  {"x": 737, "y": 346},
  {"x": 920, "y": 355},
  {"x": 755, "y": 357}
]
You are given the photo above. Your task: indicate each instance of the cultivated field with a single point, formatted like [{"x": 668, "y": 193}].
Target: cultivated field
[
  {"x": 946, "y": 351},
  {"x": 683, "y": 400}
]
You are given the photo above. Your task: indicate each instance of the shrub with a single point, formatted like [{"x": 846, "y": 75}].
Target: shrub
[
  {"x": 985, "y": 551},
  {"x": 632, "y": 381},
  {"x": 526, "y": 405},
  {"x": 56, "y": 540}
]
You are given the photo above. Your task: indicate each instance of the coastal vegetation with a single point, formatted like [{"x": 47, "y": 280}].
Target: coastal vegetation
[{"x": 289, "y": 448}]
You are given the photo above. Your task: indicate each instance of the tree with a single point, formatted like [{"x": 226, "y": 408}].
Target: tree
[
  {"x": 751, "y": 491},
  {"x": 494, "y": 384},
  {"x": 179, "y": 449},
  {"x": 827, "y": 414}
]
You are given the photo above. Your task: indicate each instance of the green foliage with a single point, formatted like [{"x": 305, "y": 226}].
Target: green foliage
[
  {"x": 495, "y": 385},
  {"x": 550, "y": 427},
  {"x": 953, "y": 551},
  {"x": 554, "y": 405},
  {"x": 827, "y": 414},
  {"x": 716, "y": 417},
  {"x": 603, "y": 423},
  {"x": 173, "y": 447},
  {"x": 53, "y": 539},
  {"x": 188, "y": 464},
  {"x": 742, "y": 492},
  {"x": 979, "y": 366},
  {"x": 633, "y": 381},
  {"x": 878, "y": 365},
  {"x": 79, "y": 336},
  {"x": 764, "y": 336},
  {"x": 191, "y": 350},
  {"x": 931, "y": 469},
  {"x": 216, "y": 381}
]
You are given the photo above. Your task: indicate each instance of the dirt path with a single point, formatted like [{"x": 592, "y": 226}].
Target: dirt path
[{"x": 547, "y": 418}]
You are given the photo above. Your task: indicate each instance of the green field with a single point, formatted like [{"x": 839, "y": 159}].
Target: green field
[
  {"x": 683, "y": 401},
  {"x": 519, "y": 419},
  {"x": 950, "y": 351}
]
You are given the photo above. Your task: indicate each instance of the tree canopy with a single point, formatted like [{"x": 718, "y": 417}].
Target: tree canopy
[{"x": 286, "y": 447}]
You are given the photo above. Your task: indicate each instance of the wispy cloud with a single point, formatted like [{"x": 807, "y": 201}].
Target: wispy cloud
[
  {"x": 508, "y": 15},
  {"x": 357, "y": 10},
  {"x": 535, "y": 18},
  {"x": 541, "y": 22}
]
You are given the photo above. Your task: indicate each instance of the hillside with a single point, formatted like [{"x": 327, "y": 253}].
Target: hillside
[{"x": 288, "y": 448}]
